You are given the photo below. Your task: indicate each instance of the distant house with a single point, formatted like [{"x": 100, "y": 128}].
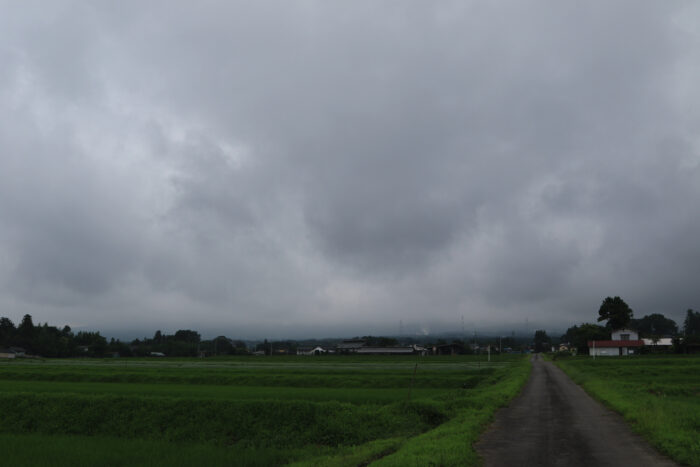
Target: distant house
[
  {"x": 157, "y": 354},
  {"x": 7, "y": 353},
  {"x": 19, "y": 351},
  {"x": 318, "y": 350},
  {"x": 623, "y": 342},
  {"x": 350, "y": 346}
]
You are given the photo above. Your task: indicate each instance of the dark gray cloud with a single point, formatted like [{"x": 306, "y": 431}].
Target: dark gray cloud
[{"x": 314, "y": 167}]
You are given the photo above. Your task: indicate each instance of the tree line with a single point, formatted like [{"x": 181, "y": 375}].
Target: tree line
[{"x": 51, "y": 341}]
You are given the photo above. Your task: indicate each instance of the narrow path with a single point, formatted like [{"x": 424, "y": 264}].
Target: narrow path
[{"x": 553, "y": 422}]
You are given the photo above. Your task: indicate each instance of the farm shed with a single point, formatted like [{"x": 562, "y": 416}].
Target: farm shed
[{"x": 623, "y": 342}]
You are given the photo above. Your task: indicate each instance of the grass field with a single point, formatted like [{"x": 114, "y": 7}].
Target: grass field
[
  {"x": 658, "y": 395},
  {"x": 330, "y": 410}
]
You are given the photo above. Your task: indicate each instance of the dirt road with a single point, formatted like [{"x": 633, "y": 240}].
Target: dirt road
[{"x": 553, "y": 422}]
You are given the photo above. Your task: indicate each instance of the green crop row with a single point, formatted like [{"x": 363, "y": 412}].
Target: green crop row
[
  {"x": 658, "y": 396},
  {"x": 188, "y": 391},
  {"x": 338, "y": 377}
]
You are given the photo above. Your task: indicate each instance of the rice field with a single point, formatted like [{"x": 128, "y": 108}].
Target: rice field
[{"x": 332, "y": 410}]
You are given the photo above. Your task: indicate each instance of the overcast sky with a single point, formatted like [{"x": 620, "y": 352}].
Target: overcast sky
[{"x": 333, "y": 168}]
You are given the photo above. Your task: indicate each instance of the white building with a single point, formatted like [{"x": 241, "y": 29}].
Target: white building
[
  {"x": 623, "y": 342},
  {"x": 660, "y": 343}
]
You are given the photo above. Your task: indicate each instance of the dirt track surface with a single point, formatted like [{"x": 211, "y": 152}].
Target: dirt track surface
[{"x": 553, "y": 422}]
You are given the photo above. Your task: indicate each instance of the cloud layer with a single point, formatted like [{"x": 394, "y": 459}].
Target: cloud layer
[{"x": 313, "y": 168}]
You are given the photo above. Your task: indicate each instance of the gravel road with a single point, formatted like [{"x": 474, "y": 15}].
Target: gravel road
[{"x": 553, "y": 422}]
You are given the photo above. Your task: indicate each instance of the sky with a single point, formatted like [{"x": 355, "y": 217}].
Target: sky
[{"x": 313, "y": 169}]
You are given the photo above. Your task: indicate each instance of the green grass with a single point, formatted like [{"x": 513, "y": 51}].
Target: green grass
[
  {"x": 658, "y": 395},
  {"x": 37, "y": 450},
  {"x": 248, "y": 411}
]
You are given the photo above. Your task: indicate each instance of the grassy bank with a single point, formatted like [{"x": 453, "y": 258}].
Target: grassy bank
[{"x": 658, "y": 395}]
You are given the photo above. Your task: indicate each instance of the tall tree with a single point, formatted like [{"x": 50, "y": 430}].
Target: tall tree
[
  {"x": 7, "y": 331},
  {"x": 617, "y": 313},
  {"x": 691, "y": 324},
  {"x": 26, "y": 331},
  {"x": 542, "y": 341}
]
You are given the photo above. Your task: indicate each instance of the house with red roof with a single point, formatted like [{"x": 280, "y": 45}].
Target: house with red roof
[{"x": 623, "y": 342}]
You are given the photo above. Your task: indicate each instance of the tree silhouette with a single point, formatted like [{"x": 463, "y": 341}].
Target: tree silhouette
[{"x": 617, "y": 313}]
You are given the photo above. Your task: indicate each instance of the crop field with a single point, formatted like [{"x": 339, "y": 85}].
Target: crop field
[
  {"x": 328, "y": 410},
  {"x": 658, "y": 395}
]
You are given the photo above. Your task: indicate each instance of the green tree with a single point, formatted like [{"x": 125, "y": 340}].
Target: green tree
[
  {"x": 7, "y": 331},
  {"x": 96, "y": 344},
  {"x": 579, "y": 336},
  {"x": 542, "y": 341},
  {"x": 616, "y": 312},
  {"x": 691, "y": 324},
  {"x": 655, "y": 325},
  {"x": 185, "y": 335},
  {"x": 26, "y": 332}
]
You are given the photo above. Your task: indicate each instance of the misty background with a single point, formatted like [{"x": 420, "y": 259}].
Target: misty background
[{"x": 313, "y": 168}]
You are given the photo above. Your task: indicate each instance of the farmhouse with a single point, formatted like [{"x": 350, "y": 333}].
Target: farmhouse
[{"x": 623, "y": 342}]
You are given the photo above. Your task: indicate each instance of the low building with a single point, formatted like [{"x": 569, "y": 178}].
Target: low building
[
  {"x": 350, "y": 345},
  {"x": 7, "y": 353},
  {"x": 622, "y": 342},
  {"x": 660, "y": 343},
  {"x": 18, "y": 351},
  {"x": 318, "y": 350}
]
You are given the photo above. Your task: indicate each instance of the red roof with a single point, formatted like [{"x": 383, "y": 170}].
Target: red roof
[{"x": 638, "y": 343}]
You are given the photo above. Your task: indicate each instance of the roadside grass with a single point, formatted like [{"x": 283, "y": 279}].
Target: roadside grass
[
  {"x": 333, "y": 411},
  {"x": 658, "y": 395},
  {"x": 450, "y": 443}
]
